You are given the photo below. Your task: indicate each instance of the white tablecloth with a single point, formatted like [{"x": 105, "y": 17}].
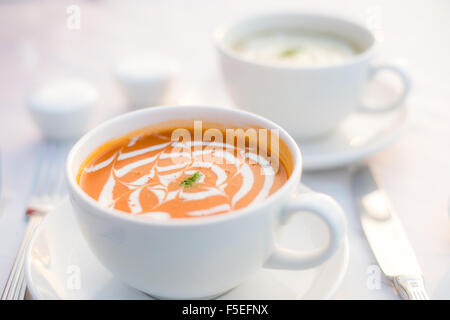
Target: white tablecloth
[{"x": 414, "y": 171}]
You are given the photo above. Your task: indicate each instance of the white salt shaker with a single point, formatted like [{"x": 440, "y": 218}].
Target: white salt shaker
[
  {"x": 146, "y": 79},
  {"x": 63, "y": 107}
]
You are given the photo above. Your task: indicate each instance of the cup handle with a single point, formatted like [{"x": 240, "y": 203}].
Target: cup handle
[
  {"x": 401, "y": 98},
  {"x": 330, "y": 212}
]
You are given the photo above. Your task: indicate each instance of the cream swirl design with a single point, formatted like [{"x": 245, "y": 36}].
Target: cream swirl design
[{"x": 142, "y": 176}]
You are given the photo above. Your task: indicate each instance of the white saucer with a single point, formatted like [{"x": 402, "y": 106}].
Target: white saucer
[
  {"x": 59, "y": 265},
  {"x": 358, "y": 137}
]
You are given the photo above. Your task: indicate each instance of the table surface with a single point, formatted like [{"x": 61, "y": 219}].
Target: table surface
[{"x": 35, "y": 43}]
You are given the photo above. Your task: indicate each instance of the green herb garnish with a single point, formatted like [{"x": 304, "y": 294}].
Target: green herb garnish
[
  {"x": 189, "y": 182},
  {"x": 289, "y": 52}
]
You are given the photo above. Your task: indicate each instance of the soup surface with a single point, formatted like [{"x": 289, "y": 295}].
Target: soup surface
[
  {"x": 151, "y": 175},
  {"x": 295, "y": 48}
]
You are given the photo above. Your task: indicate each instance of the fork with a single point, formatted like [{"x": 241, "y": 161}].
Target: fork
[{"x": 48, "y": 189}]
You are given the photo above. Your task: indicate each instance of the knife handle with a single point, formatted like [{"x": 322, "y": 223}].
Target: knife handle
[{"x": 410, "y": 288}]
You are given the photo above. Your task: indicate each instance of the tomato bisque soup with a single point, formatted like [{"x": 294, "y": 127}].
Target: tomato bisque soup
[{"x": 150, "y": 174}]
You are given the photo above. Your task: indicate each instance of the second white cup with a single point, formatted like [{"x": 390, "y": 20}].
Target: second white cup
[{"x": 308, "y": 101}]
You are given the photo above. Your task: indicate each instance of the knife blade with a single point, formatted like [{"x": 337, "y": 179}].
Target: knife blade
[{"x": 386, "y": 236}]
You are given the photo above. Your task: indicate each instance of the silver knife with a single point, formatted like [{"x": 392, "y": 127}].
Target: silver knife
[{"x": 386, "y": 236}]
